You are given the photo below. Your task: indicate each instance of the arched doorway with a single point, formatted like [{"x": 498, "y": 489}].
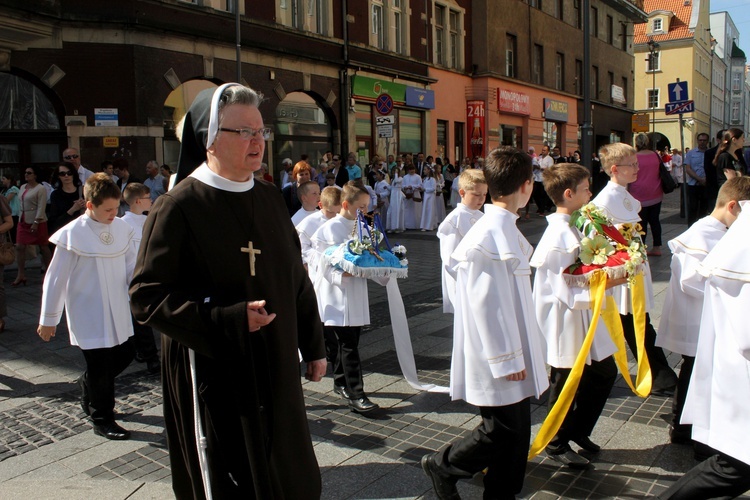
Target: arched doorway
[
  {"x": 175, "y": 108},
  {"x": 302, "y": 127},
  {"x": 31, "y": 124}
]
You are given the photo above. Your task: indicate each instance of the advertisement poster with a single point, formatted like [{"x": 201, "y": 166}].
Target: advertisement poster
[{"x": 477, "y": 132}]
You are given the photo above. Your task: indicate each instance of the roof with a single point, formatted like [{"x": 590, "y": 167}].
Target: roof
[
  {"x": 678, "y": 26},
  {"x": 737, "y": 53}
]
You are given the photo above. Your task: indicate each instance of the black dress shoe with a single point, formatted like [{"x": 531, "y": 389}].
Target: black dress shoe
[
  {"x": 445, "y": 487},
  {"x": 566, "y": 456},
  {"x": 84, "y": 394},
  {"x": 362, "y": 405},
  {"x": 663, "y": 393},
  {"x": 153, "y": 365},
  {"x": 680, "y": 435},
  {"x": 341, "y": 391},
  {"x": 587, "y": 444},
  {"x": 111, "y": 430}
]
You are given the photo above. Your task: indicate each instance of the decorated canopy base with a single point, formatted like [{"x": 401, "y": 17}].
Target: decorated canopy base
[{"x": 367, "y": 264}]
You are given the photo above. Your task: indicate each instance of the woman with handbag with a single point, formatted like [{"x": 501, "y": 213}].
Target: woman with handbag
[
  {"x": 7, "y": 253},
  {"x": 32, "y": 226},
  {"x": 11, "y": 192},
  {"x": 647, "y": 189},
  {"x": 66, "y": 201}
]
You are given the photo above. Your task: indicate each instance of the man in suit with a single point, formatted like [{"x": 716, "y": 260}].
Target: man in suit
[{"x": 419, "y": 164}]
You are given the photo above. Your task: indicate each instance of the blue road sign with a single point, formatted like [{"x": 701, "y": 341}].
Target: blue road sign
[
  {"x": 384, "y": 104},
  {"x": 678, "y": 91},
  {"x": 678, "y": 108}
]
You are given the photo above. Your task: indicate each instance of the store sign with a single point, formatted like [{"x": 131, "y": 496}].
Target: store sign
[
  {"x": 477, "y": 131},
  {"x": 618, "y": 94},
  {"x": 371, "y": 88},
  {"x": 106, "y": 117},
  {"x": 420, "y": 98},
  {"x": 640, "y": 122},
  {"x": 509, "y": 101},
  {"x": 556, "y": 111},
  {"x": 111, "y": 142}
]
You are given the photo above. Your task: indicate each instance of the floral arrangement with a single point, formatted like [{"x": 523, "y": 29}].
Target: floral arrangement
[
  {"x": 368, "y": 254},
  {"x": 620, "y": 252}
]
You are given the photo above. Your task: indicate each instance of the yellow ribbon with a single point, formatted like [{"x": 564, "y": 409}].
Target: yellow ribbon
[{"x": 611, "y": 317}]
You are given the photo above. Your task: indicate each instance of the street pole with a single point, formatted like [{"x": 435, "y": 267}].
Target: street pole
[
  {"x": 652, "y": 48},
  {"x": 587, "y": 130},
  {"x": 238, "y": 38}
]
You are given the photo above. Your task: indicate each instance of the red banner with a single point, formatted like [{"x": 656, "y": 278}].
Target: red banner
[{"x": 476, "y": 127}]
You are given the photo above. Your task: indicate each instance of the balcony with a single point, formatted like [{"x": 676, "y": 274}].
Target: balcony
[{"x": 631, "y": 9}]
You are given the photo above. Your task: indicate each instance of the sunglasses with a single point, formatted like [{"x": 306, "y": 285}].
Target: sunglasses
[
  {"x": 29, "y": 172},
  {"x": 70, "y": 157},
  {"x": 65, "y": 173}
]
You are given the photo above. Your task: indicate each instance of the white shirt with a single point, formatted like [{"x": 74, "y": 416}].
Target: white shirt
[
  {"x": 305, "y": 229},
  {"x": 302, "y": 214},
  {"x": 450, "y": 232},
  {"x": 90, "y": 280},
  {"x": 717, "y": 404},
  {"x": 495, "y": 333},
  {"x": 136, "y": 221},
  {"x": 683, "y": 304},
  {"x": 564, "y": 312},
  {"x": 84, "y": 173}
]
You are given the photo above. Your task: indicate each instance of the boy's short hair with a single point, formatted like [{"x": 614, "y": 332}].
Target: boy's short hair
[
  {"x": 330, "y": 197},
  {"x": 562, "y": 176},
  {"x": 469, "y": 179},
  {"x": 611, "y": 154},
  {"x": 133, "y": 191},
  {"x": 305, "y": 188},
  {"x": 100, "y": 187},
  {"x": 352, "y": 191},
  {"x": 330, "y": 176},
  {"x": 737, "y": 189},
  {"x": 506, "y": 170}
]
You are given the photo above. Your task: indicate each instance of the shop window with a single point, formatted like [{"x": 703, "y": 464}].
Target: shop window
[
  {"x": 549, "y": 134},
  {"x": 410, "y": 131},
  {"x": 458, "y": 142},
  {"x": 442, "y": 138},
  {"x": 363, "y": 120},
  {"x": 24, "y": 107}
]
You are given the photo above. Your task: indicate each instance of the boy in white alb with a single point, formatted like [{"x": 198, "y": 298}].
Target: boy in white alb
[
  {"x": 498, "y": 356},
  {"x": 330, "y": 205},
  {"x": 681, "y": 314},
  {"x": 564, "y": 316},
  {"x": 472, "y": 188},
  {"x": 138, "y": 198},
  {"x": 343, "y": 302},
  {"x": 718, "y": 400},
  {"x": 89, "y": 274},
  {"x": 309, "y": 195},
  {"x": 620, "y": 163},
  {"x": 412, "y": 208}
]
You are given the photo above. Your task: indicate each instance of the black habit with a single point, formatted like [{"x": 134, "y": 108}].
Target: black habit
[{"x": 192, "y": 282}]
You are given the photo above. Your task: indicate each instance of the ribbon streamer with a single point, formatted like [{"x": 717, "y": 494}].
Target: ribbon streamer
[{"x": 611, "y": 317}]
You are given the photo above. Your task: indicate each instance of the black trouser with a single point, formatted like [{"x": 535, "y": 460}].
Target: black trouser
[
  {"x": 145, "y": 345},
  {"x": 697, "y": 203},
  {"x": 500, "y": 443},
  {"x": 342, "y": 351},
  {"x": 662, "y": 375},
  {"x": 593, "y": 390},
  {"x": 721, "y": 476},
  {"x": 680, "y": 393},
  {"x": 542, "y": 201},
  {"x": 102, "y": 366},
  {"x": 650, "y": 217}
]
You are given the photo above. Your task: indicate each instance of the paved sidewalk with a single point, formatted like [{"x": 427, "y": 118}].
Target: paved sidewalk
[{"x": 47, "y": 449}]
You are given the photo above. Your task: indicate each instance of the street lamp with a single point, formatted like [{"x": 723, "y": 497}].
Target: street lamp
[{"x": 653, "y": 50}]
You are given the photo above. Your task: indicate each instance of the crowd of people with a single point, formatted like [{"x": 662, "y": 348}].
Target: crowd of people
[{"x": 232, "y": 339}]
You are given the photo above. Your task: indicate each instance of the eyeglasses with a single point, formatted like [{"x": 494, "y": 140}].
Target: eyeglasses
[
  {"x": 29, "y": 172},
  {"x": 247, "y": 133},
  {"x": 627, "y": 164},
  {"x": 145, "y": 198},
  {"x": 70, "y": 157},
  {"x": 336, "y": 159},
  {"x": 64, "y": 173}
]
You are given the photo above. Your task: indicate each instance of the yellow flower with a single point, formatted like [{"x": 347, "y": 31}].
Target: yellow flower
[{"x": 596, "y": 250}]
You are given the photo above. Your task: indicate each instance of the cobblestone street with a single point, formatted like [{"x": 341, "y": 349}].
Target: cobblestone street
[{"x": 48, "y": 450}]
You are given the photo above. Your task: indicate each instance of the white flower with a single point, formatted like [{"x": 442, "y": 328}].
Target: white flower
[
  {"x": 399, "y": 249},
  {"x": 404, "y": 262}
]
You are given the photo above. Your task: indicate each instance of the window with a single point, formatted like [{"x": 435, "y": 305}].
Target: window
[
  {"x": 594, "y": 22},
  {"x": 536, "y": 3},
  {"x": 304, "y": 15},
  {"x": 537, "y": 65},
  {"x": 442, "y": 138},
  {"x": 610, "y": 30},
  {"x": 387, "y": 25},
  {"x": 579, "y": 77},
  {"x": 510, "y": 56},
  {"x": 654, "y": 62},
  {"x": 595, "y": 82},
  {"x": 410, "y": 128},
  {"x": 625, "y": 89},
  {"x": 656, "y": 24},
  {"x": 611, "y": 84},
  {"x": 448, "y": 36},
  {"x": 736, "y": 81},
  {"x": 549, "y": 134},
  {"x": 559, "y": 9},
  {"x": 653, "y": 98},
  {"x": 577, "y": 12},
  {"x": 560, "y": 71},
  {"x": 735, "y": 112},
  {"x": 623, "y": 36}
]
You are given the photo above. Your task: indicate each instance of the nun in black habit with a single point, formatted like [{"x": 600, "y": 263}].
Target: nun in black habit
[{"x": 219, "y": 274}]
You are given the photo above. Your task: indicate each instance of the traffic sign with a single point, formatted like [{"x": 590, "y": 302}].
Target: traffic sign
[
  {"x": 384, "y": 104},
  {"x": 678, "y": 91},
  {"x": 678, "y": 108},
  {"x": 640, "y": 122},
  {"x": 385, "y": 120},
  {"x": 385, "y": 131}
]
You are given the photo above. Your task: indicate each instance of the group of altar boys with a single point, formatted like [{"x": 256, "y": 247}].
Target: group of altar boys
[{"x": 504, "y": 331}]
